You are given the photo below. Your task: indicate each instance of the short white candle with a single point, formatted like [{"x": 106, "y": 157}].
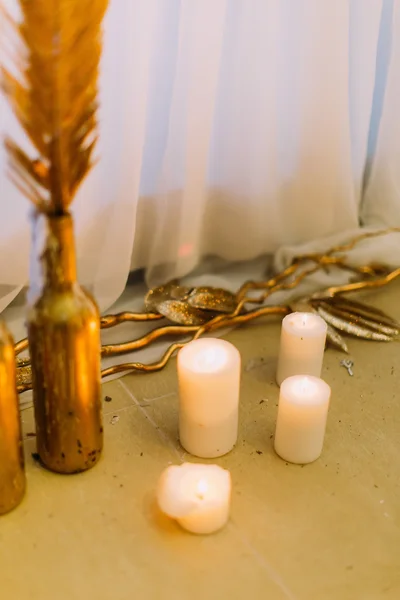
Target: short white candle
[
  {"x": 209, "y": 381},
  {"x": 302, "y": 414},
  {"x": 302, "y": 346},
  {"x": 196, "y": 496}
]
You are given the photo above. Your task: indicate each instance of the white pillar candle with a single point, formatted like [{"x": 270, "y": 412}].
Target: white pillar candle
[
  {"x": 209, "y": 381},
  {"x": 196, "y": 496},
  {"x": 302, "y": 414},
  {"x": 302, "y": 346}
]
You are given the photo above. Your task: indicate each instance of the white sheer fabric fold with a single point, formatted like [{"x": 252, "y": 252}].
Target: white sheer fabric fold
[{"x": 233, "y": 128}]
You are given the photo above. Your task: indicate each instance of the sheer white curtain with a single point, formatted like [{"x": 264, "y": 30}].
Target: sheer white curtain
[{"x": 233, "y": 128}]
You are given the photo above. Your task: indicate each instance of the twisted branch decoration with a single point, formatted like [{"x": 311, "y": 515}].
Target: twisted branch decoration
[{"x": 372, "y": 276}]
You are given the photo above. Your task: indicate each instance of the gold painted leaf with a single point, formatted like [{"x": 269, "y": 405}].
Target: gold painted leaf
[
  {"x": 335, "y": 340},
  {"x": 363, "y": 310},
  {"x": 342, "y": 324},
  {"x": 214, "y": 299},
  {"x": 181, "y": 313},
  {"x": 357, "y": 319}
]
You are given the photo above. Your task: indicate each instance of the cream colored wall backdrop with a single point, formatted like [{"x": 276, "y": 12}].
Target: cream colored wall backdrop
[{"x": 230, "y": 127}]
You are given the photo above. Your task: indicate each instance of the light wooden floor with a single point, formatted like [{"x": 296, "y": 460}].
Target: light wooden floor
[{"x": 327, "y": 531}]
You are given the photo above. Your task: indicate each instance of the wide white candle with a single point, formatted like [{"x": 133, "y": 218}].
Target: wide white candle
[
  {"x": 302, "y": 414},
  {"x": 302, "y": 346},
  {"x": 209, "y": 381},
  {"x": 196, "y": 496}
]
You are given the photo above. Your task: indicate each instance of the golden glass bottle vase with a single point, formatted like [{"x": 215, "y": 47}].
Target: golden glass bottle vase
[
  {"x": 64, "y": 343},
  {"x": 12, "y": 473}
]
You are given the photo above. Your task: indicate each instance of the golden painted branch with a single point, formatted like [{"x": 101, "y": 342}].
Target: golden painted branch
[
  {"x": 321, "y": 260},
  {"x": 146, "y": 340},
  {"x": 21, "y": 346},
  {"x": 105, "y": 323},
  {"x": 124, "y": 317},
  {"x": 275, "y": 284},
  {"x": 347, "y": 246},
  {"x": 214, "y": 325},
  {"x": 218, "y": 322},
  {"x": 270, "y": 283},
  {"x": 235, "y": 318},
  {"x": 361, "y": 285},
  {"x": 288, "y": 279}
]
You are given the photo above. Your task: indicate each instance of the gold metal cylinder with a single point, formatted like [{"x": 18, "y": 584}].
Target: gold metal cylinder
[
  {"x": 64, "y": 342},
  {"x": 12, "y": 473}
]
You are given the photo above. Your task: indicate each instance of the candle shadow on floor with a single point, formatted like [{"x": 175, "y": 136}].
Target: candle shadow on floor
[
  {"x": 262, "y": 368},
  {"x": 259, "y": 394},
  {"x": 156, "y": 518}
]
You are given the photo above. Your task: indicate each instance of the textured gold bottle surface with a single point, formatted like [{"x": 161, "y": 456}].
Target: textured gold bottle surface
[
  {"x": 64, "y": 341},
  {"x": 12, "y": 473}
]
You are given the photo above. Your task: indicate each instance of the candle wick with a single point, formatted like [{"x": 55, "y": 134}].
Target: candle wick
[{"x": 201, "y": 489}]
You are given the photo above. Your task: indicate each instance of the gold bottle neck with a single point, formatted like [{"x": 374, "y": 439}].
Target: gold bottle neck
[
  {"x": 60, "y": 252},
  {"x": 52, "y": 261}
]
